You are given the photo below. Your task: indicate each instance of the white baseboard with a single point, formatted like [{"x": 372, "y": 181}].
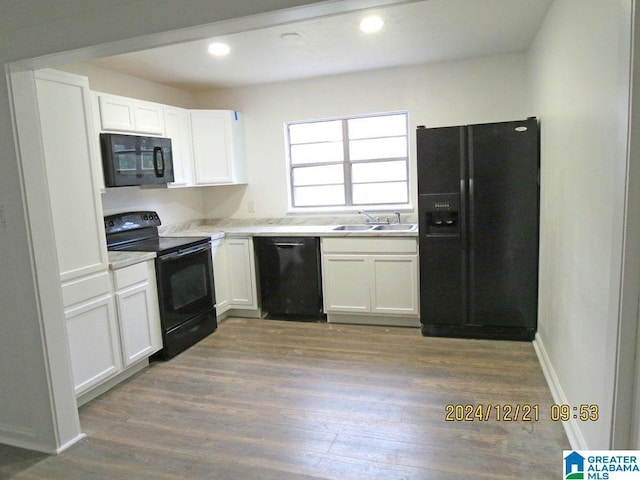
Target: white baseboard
[
  {"x": 33, "y": 444},
  {"x": 571, "y": 427}
]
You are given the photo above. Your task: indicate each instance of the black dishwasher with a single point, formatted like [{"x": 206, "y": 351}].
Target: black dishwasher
[{"x": 290, "y": 279}]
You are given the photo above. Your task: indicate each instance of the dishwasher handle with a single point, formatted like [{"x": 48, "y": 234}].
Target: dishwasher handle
[{"x": 288, "y": 244}]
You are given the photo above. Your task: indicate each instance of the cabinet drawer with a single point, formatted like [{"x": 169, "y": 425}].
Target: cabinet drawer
[
  {"x": 369, "y": 245},
  {"x": 128, "y": 276},
  {"x": 85, "y": 288}
]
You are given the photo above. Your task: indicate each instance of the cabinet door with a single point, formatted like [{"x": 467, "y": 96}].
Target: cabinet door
[
  {"x": 93, "y": 342},
  {"x": 177, "y": 128},
  {"x": 68, "y": 139},
  {"x": 218, "y": 150},
  {"x": 242, "y": 279},
  {"x": 116, "y": 113},
  {"x": 394, "y": 284},
  {"x": 139, "y": 327},
  {"x": 345, "y": 283},
  {"x": 221, "y": 275},
  {"x": 148, "y": 117}
]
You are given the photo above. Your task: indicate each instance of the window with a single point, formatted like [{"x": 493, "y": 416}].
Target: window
[{"x": 350, "y": 161}]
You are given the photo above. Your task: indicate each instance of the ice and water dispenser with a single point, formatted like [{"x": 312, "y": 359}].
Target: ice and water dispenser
[{"x": 442, "y": 214}]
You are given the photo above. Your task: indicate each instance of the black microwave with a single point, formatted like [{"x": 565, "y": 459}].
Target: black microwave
[{"x": 129, "y": 160}]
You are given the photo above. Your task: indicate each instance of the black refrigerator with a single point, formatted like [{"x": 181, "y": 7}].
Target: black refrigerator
[{"x": 478, "y": 190}]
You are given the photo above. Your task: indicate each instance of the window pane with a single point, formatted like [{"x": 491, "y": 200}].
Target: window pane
[
  {"x": 329, "y": 131},
  {"x": 317, "y": 153},
  {"x": 380, "y": 126},
  {"x": 379, "y": 171},
  {"x": 395, "y": 147},
  {"x": 374, "y": 149},
  {"x": 318, "y": 175},
  {"x": 318, "y": 196},
  {"x": 372, "y": 193}
]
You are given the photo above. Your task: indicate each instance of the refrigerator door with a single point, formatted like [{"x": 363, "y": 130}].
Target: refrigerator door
[
  {"x": 441, "y": 165},
  {"x": 503, "y": 224}
]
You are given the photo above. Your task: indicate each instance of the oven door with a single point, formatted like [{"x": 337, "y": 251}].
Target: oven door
[{"x": 185, "y": 285}]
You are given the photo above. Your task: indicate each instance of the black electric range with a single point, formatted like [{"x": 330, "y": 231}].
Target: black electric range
[{"x": 184, "y": 275}]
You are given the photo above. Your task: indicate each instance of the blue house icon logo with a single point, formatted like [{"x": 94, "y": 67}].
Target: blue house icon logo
[{"x": 574, "y": 466}]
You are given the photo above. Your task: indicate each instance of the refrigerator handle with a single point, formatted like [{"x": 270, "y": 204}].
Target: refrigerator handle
[{"x": 464, "y": 192}]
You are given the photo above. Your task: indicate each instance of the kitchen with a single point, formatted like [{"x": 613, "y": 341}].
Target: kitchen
[{"x": 502, "y": 95}]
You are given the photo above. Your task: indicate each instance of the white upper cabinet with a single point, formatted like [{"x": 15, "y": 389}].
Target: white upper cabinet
[
  {"x": 123, "y": 114},
  {"x": 218, "y": 147},
  {"x": 207, "y": 145},
  {"x": 178, "y": 129},
  {"x": 149, "y": 117}
]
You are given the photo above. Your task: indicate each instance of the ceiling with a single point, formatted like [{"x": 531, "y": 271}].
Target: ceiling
[{"x": 414, "y": 33}]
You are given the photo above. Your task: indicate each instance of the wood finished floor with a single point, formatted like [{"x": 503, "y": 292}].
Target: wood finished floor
[{"x": 273, "y": 400}]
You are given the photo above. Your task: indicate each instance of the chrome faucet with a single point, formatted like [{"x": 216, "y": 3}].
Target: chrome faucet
[
  {"x": 373, "y": 220},
  {"x": 397, "y": 214}
]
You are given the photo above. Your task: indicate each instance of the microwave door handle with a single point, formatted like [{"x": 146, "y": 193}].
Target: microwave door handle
[{"x": 158, "y": 169}]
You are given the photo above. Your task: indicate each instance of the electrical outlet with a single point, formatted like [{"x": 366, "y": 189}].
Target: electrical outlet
[{"x": 251, "y": 206}]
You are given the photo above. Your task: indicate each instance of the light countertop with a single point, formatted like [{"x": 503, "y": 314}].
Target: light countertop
[
  {"x": 288, "y": 230},
  {"x": 119, "y": 260}
]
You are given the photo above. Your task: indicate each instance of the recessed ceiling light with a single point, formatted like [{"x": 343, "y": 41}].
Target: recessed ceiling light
[
  {"x": 371, "y": 24},
  {"x": 219, "y": 49}
]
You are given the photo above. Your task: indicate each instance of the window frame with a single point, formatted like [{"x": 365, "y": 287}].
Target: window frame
[{"x": 347, "y": 164}]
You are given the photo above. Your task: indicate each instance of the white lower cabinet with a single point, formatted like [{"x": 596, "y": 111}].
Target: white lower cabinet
[
  {"x": 371, "y": 280},
  {"x": 113, "y": 322},
  {"x": 242, "y": 274},
  {"x": 138, "y": 313},
  {"x": 234, "y": 275},
  {"x": 220, "y": 275},
  {"x": 346, "y": 283},
  {"x": 92, "y": 331},
  {"x": 394, "y": 288}
]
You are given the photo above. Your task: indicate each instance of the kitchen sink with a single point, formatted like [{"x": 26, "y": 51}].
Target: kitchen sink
[
  {"x": 409, "y": 227},
  {"x": 352, "y": 227}
]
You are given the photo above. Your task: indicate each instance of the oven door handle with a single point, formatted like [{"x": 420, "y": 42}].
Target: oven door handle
[{"x": 185, "y": 252}]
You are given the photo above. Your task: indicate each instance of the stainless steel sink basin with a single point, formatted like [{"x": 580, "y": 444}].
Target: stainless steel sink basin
[
  {"x": 409, "y": 227},
  {"x": 352, "y": 228}
]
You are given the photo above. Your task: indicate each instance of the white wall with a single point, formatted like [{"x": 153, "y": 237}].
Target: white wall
[
  {"x": 579, "y": 68},
  {"x": 109, "y": 81},
  {"x": 469, "y": 91}
]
